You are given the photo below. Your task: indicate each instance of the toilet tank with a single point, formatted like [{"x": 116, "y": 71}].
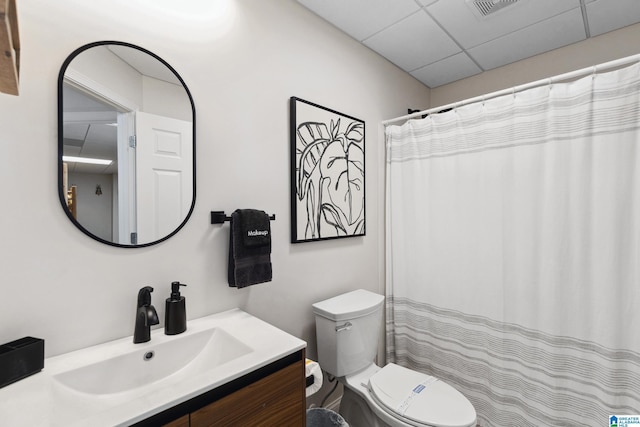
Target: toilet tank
[{"x": 347, "y": 331}]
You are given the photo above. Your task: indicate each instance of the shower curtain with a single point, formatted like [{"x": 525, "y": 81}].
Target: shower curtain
[{"x": 513, "y": 251}]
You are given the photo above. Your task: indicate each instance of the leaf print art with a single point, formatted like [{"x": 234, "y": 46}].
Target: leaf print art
[{"x": 328, "y": 180}]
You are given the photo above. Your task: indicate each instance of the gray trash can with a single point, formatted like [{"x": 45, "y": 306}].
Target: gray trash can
[{"x": 321, "y": 417}]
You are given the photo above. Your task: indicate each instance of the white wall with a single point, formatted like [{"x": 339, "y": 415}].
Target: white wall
[
  {"x": 165, "y": 99},
  {"x": 109, "y": 71},
  {"x": 94, "y": 211},
  {"x": 241, "y": 66}
]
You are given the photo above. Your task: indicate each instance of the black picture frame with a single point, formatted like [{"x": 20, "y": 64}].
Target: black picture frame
[{"x": 327, "y": 173}]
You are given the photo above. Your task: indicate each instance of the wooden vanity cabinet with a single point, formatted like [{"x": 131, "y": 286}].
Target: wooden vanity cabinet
[
  {"x": 271, "y": 401},
  {"x": 183, "y": 421},
  {"x": 270, "y": 396}
]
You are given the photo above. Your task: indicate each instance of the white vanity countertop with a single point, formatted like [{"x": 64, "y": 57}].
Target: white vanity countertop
[{"x": 41, "y": 401}]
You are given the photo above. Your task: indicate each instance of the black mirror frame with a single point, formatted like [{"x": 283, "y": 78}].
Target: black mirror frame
[{"x": 62, "y": 196}]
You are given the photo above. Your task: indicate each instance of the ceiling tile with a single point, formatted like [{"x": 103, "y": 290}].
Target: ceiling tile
[
  {"x": 447, "y": 70},
  {"x": 362, "y": 18},
  {"x": 551, "y": 34},
  {"x": 101, "y": 142},
  {"x": 70, "y": 150},
  {"x": 463, "y": 25},
  {"x": 609, "y": 15},
  {"x": 413, "y": 42},
  {"x": 75, "y": 131}
]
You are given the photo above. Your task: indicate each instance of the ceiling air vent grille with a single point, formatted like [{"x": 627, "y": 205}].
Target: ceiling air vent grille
[{"x": 484, "y": 8}]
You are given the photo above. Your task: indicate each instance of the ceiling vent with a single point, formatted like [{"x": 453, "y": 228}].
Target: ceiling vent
[{"x": 485, "y": 8}]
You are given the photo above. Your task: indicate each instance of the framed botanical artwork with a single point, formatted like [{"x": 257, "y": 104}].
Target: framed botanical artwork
[{"x": 327, "y": 173}]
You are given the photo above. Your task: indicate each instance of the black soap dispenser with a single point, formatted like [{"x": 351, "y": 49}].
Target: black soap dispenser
[{"x": 175, "y": 316}]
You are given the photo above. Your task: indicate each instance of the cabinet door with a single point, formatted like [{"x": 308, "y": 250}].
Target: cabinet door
[
  {"x": 180, "y": 422},
  {"x": 276, "y": 400}
]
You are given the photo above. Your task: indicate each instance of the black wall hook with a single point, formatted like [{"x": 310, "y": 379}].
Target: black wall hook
[{"x": 219, "y": 217}]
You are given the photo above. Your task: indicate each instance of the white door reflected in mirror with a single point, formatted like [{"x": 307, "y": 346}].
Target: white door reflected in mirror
[{"x": 162, "y": 162}]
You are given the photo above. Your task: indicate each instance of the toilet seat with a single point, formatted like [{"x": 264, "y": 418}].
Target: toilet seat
[{"x": 419, "y": 399}]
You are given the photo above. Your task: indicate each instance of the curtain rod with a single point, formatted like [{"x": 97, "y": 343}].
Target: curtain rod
[{"x": 566, "y": 76}]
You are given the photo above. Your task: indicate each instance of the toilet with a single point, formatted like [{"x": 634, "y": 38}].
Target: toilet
[{"x": 347, "y": 328}]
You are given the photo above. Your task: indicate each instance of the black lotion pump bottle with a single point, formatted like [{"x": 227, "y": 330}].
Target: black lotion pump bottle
[{"x": 175, "y": 316}]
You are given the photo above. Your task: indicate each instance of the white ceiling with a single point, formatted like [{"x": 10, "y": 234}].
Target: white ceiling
[
  {"x": 146, "y": 65},
  {"x": 441, "y": 41}
]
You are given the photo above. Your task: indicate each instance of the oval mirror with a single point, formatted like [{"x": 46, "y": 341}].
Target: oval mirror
[{"x": 126, "y": 145}]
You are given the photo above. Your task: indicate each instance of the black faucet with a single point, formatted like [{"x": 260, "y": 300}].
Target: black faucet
[{"x": 145, "y": 316}]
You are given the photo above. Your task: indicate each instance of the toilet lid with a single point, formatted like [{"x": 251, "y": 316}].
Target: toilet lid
[{"x": 420, "y": 398}]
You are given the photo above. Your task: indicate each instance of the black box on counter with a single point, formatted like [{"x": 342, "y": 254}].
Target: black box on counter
[{"x": 20, "y": 358}]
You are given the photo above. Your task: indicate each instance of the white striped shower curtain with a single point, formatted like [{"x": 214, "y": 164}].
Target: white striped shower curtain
[{"x": 513, "y": 251}]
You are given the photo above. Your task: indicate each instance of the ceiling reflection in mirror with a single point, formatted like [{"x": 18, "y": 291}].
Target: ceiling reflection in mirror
[{"x": 126, "y": 145}]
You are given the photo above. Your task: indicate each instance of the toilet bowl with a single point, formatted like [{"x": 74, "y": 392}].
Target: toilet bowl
[{"x": 347, "y": 328}]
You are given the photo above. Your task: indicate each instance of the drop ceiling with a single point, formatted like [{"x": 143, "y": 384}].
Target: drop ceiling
[{"x": 441, "y": 41}]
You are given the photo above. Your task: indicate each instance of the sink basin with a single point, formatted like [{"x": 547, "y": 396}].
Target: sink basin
[
  {"x": 151, "y": 363},
  {"x": 119, "y": 383}
]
